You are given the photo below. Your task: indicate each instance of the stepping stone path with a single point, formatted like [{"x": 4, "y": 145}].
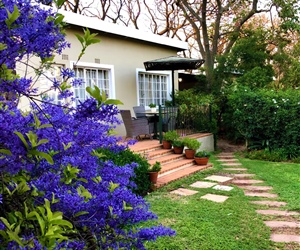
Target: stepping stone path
[{"x": 249, "y": 183}]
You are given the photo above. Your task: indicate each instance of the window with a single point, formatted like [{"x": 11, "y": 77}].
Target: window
[
  {"x": 153, "y": 88},
  {"x": 93, "y": 74},
  {"x": 46, "y": 82},
  {"x": 91, "y": 77}
]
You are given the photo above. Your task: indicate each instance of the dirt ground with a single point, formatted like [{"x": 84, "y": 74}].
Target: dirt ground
[{"x": 227, "y": 146}]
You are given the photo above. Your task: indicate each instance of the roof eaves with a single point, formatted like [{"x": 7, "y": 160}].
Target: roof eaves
[{"x": 99, "y": 25}]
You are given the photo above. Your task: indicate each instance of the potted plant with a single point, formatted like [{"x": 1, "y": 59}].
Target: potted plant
[
  {"x": 152, "y": 107},
  {"x": 192, "y": 145},
  {"x": 168, "y": 138},
  {"x": 178, "y": 146},
  {"x": 153, "y": 172},
  {"x": 202, "y": 157}
]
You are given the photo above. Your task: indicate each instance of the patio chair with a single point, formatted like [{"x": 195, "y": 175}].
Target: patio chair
[
  {"x": 139, "y": 112},
  {"x": 169, "y": 116},
  {"x": 135, "y": 127}
]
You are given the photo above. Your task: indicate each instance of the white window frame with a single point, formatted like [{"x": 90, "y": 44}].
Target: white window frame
[
  {"x": 108, "y": 67},
  {"x": 168, "y": 75},
  {"x": 45, "y": 82}
]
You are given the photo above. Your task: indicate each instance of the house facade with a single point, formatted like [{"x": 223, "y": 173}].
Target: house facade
[{"x": 115, "y": 64}]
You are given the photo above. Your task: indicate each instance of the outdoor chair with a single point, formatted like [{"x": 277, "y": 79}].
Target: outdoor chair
[
  {"x": 135, "y": 127},
  {"x": 169, "y": 116},
  {"x": 139, "y": 112}
]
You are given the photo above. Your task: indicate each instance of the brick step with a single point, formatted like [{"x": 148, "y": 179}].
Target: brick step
[
  {"x": 166, "y": 158},
  {"x": 166, "y": 167},
  {"x": 182, "y": 172},
  {"x": 159, "y": 152}
]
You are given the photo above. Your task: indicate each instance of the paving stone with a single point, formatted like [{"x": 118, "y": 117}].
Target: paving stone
[
  {"x": 256, "y": 188},
  {"x": 203, "y": 184},
  {"x": 270, "y": 203},
  {"x": 223, "y": 188},
  {"x": 246, "y": 182},
  {"x": 280, "y": 224},
  {"x": 231, "y": 164},
  {"x": 241, "y": 176},
  {"x": 225, "y": 154},
  {"x": 285, "y": 238},
  {"x": 277, "y": 212},
  {"x": 235, "y": 169},
  {"x": 215, "y": 197},
  {"x": 184, "y": 192},
  {"x": 265, "y": 195},
  {"x": 228, "y": 160},
  {"x": 218, "y": 178}
]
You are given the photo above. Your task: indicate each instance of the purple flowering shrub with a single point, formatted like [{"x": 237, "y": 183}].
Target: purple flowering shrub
[{"x": 55, "y": 190}]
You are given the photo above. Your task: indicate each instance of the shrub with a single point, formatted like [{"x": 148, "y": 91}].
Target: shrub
[
  {"x": 156, "y": 167},
  {"x": 123, "y": 158},
  {"x": 202, "y": 154},
  {"x": 170, "y": 135},
  {"x": 265, "y": 119},
  {"x": 191, "y": 143}
]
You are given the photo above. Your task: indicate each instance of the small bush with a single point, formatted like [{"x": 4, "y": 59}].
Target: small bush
[{"x": 122, "y": 158}]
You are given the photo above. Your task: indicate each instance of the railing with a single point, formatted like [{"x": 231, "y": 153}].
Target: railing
[{"x": 185, "y": 120}]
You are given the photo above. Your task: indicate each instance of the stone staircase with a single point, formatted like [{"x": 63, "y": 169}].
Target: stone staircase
[{"x": 174, "y": 166}]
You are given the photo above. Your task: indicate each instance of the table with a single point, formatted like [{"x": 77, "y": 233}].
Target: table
[{"x": 155, "y": 114}]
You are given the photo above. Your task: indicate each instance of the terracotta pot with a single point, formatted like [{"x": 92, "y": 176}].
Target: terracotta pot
[
  {"x": 201, "y": 160},
  {"x": 166, "y": 144},
  {"x": 153, "y": 176},
  {"x": 190, "y": 153},
  {"x": 178, "y": 150}
]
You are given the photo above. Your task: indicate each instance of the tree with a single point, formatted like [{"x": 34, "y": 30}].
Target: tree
[{"x": 56, "y": 190}]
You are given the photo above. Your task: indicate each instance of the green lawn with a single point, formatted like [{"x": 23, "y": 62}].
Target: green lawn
[{"x": 232, "y": 225}]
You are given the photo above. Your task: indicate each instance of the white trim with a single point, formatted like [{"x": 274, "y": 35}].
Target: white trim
[
  {"x": 112, "y": 28},
  {"x": 110, "y": 68},
  {"x": 166, "y": 73}
]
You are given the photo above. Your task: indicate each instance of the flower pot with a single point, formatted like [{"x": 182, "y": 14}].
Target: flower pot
[
  {"x": 190, "y": 153},
  {"x": 166, "y": 144},
  {"x": 153, "y": 110},
  {"x": 153, "y": 176},
  {"x": 201, "y": 160},
  {"x": 178, "y": 150}
]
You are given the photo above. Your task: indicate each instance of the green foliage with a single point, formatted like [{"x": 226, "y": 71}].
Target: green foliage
[
  {"x": 178, "y": 143},
  {"x": 122, "y": 158},
  {"x": 86, "y": 40},
  {"x": 152, "y": 105},
  {"x": 156, "y": 167},
  {"x": 265, "y": 119},
  {"x": 101, "y": 97},
  {"x": 202, "y": 154},
  {"x": 170, "y": 135},
  {"x": 191, "y": 143}
]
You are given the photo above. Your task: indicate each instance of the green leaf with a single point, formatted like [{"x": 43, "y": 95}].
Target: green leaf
[
  {"x": 22, "y": 139},
  {"x": 80, "y": 38},
  {"x": 3, "y": 46},
  {"x": 59, "y": 3},
  {"x": 67, "y": 146},
  {"x": 113, "y": 186},
  {"x": 113, "y": 101},
  {"x": 44, "y": 155},
  {"x": 12, "y": 17},
  {"x": 81, "y": 213},
  {"x": 5, "y": 151}
]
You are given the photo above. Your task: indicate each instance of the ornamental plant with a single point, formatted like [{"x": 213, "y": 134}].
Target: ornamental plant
[{"x": 56, "y": 192}]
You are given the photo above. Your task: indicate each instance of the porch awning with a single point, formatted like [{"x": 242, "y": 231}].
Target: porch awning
[{"x": 173, "y": 63}]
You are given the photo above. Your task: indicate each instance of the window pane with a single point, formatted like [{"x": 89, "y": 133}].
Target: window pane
[{"x": 152, "y": 88}]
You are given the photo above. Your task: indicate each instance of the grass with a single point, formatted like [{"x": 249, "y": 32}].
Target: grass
[{"x": 234, "y": 224}]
